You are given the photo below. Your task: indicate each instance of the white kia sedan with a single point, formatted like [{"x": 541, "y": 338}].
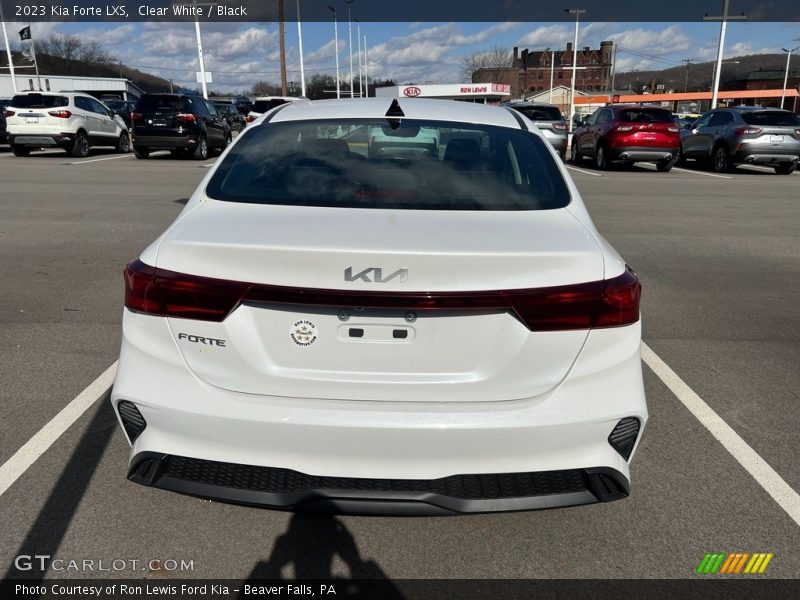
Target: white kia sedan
[{"x": 383, "y": 306}]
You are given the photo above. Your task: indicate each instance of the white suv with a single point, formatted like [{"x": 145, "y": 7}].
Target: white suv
[
  {"x": 264, "y": 104},
  {"x": 70, "y": 120}
]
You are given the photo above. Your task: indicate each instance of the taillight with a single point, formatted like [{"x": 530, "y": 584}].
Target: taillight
[
  {"x": 624, "y": 127},
  {"x": 796, "y": 131},
  {"x": 747, "y": 130},
  {"x": 61, "y": 114},
  {"x": 185, "y": 118},
  {"x": 9, "y": 113},
  {"x": 137, "y": 116},
  {"x": 562, "y": 126},
  {"x": 250, "y": 118},
  {"x": 597, "y": 304}
]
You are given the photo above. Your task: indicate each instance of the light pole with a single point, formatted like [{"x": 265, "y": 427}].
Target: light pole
[
  {"x": 723, "y": 26},
  {"x": 366, "y": 62},
  {"x": 300, "y": 45},
  {"x": 360, "y": 64},
  {"x": 336, "y": 41},
  {"x": 577, "y": 12},
  {"x": 8, "y": 51},
  {"x": 350, "y": 44},
  {"x": 552, "y": 72},
  {"x": 786, "y": 76}
]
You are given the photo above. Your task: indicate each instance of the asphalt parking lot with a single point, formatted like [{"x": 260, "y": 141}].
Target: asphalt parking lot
[{"x": 719, "y": 260}]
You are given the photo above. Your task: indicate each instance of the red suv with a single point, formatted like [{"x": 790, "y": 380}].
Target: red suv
[{"x": 629, "y": 133}]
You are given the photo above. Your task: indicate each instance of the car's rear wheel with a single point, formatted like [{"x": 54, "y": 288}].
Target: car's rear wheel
[
  {"x": 720, "y": 161},
  {"x": 574, "y": 155},
  {"x": 80, "y": 147},
  {"x": 664, "y": 166},
  {"x": 141, "y": 152},
  {"x": 20, "y": 150},
  {"x": 201, "y": 152},
  {"x": 600, "y": 159},
  {"x": 786, "y": 168},
  {"x": 124, "y": 143}
]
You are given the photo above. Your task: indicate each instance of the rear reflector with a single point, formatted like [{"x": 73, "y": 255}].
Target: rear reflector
[
  {"x": 132, "y": 419},
  {"x": 623, "y": 437},
  {"x": 597, "y": 304},
  {"x": 61, "y": 114}
]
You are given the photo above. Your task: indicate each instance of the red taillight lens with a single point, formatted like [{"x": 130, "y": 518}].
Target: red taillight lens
[
  {"x": 61, "y": 114},
  {"x": 137, "y": 116},
  {"x": 185, "y": 118},
  {"x": 624, "y": 127},
  {"x": 250, "y": 118},
  {"x": 9, "y": 113},
  {"x": 747, "y": 130},
  {"x": 597, "y": 304},
  {"x": 561, "y": 126}
]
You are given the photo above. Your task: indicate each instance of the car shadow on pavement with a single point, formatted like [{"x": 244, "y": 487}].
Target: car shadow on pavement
[
  {"x": 310, "y": 546},
  {"x": 51, "y": 524}
]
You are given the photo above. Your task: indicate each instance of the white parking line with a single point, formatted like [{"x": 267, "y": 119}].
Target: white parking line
[
  {"x": 584, "y": 172},
  {"x": 702, "y": 173},
  {"x": 29, "y": 453},
  {"x": 767, "y": 478},
  {"x": 83, "y": 162}
]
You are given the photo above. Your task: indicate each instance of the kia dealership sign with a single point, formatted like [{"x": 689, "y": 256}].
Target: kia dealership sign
[
  {"x": 490, "y": 91},
  {"x": 412, "y": 91}
]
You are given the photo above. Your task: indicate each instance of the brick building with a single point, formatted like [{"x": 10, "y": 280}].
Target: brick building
[{"x": 530, "y": 70}]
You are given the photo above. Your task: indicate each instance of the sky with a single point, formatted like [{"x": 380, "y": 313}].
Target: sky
[{"x": 240, "y": 54}]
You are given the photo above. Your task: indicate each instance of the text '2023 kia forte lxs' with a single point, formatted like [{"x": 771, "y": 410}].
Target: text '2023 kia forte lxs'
[{"x": 383, "y": 306}]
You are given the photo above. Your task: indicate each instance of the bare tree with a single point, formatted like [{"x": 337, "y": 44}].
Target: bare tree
[
  {"x": 497, "y": 57},
  {"x": 265, "y": 88}
]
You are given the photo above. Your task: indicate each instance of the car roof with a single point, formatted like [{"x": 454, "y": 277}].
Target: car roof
[
  {"x": 413, "y": 108},
  {"x": 290, "y": 98}
]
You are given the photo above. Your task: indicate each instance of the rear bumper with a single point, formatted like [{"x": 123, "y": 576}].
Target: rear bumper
[
  {"x": 42, "y": 141},
  {"x": 252, "y": 437},
  {"x": 290, "y": 490},
  {"x": 768, "y": 157},
  {"x": 640, "y": 153},
  {"x": 153, "y": 141}
]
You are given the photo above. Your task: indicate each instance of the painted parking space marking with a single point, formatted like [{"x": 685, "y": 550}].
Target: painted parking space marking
[
  {"x": 571, "y": 168},
  {"x": 701, "y": 173},
  {"x": 29, "y": 453},
  {"x": 83, "y": 162},
  {"x": 757, "y": 467}
]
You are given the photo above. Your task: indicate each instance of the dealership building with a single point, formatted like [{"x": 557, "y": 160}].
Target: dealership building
[
  {"x": 96, "y": 86},
  {"x": 482, "y": 93}
]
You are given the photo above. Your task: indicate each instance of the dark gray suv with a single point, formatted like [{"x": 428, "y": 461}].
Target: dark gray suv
[
  {"x": 549, "y": 121},
  {"x": 725, "y": 137}
]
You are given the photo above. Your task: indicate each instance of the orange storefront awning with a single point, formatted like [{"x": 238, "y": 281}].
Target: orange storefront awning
[{"x": 689, "y": 96}]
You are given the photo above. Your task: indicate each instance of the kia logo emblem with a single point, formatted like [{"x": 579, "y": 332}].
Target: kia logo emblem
[{"x": 412, "y": 92}]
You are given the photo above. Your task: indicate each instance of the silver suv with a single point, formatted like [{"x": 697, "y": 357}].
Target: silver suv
[
  {"x": 549, "y": 120},
  {"x": 725, "y": 137}
]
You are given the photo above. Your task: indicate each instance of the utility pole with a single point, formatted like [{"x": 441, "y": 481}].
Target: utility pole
[
  {"x": 577, "y": 12},
  {"x": 723, "y": 26},
  {"x": 282, "y": 43},
  {"x": 786, "y": 76},
  {"x": 613, "y": 70},
  {"x": 688, "y": 61}
]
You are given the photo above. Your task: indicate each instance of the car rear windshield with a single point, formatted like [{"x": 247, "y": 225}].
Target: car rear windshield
[
  {"x": 262, "y": 106},
  {"x": 163, "y": 103},
  {"x": 645, "y": 115},
  {"x": 422, "y": 165},
  {"x": 772, "y": 118},
  {"x": 541, "y": 113},
  {"x": 38, "y": 101}
]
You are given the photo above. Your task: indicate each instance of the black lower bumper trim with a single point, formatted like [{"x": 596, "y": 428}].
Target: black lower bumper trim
[{"x": 290, "y": 490}]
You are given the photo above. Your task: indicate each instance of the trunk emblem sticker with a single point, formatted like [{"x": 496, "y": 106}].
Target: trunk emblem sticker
[{"x": 303, "y": 333}]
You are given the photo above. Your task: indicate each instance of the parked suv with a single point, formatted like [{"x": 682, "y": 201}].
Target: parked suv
[
  {"x": 630, "y": 133},
  {"x": 185, "y": 124},
  {"x": 725, "y": 137},
  {"x": 266, "y": 104},
  {"x": 234, "y": 118},
  {"x": 70, "y": 120},
  {"x": 549, "y": 120},
  {"x": 3, "y": 103}
]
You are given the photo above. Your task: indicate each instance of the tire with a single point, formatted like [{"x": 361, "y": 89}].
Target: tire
[
  {"x": 720, "y": 161},
  {"x": 140, "y": 152},
  {"x": 124, "y": 143},
  {"x": 80, "y": 147},
  {"x": 201, "y": 151},
  {"x": 600, "y": 160},
  {"x": 786, "y": 168},
  {"x": 665, "y": 166},
  {"x": 574, "y": 155},
  {"x": 20, "y": 150}
]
